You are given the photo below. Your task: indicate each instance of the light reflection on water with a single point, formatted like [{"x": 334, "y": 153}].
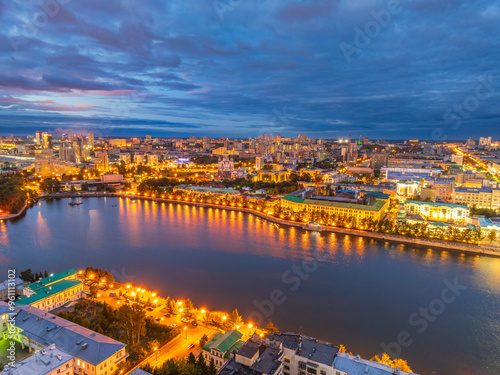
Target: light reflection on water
[{"x": 361, "y": 294}]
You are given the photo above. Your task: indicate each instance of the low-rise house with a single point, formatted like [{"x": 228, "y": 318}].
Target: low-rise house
[
  {"x": 220, "y": 347},
  {"x": 255, "y": 358}
]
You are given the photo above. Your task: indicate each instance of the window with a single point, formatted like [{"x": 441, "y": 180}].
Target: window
[
  {"x": 322, "y": 372},
  {"x": 286, "y": 367},
  {"x": 302, "y": 366},
  {"x": 311, "y": 371}
]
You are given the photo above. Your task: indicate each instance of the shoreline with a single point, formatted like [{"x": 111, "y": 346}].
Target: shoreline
[{"x": 436, "y": 244}]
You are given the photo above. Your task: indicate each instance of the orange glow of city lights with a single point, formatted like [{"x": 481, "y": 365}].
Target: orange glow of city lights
[
  {"x": 128, "y": 286},
  {"x": 138, "y": 289},
  {"x": 181, "y": 310},
  {"x": 179, "y": 303},
  {"x": 250, "y": 325},
  {"x": 224, "y": 317},
  {"x": 133, "y": 293},
  {"x": 154, "y": 294},
  {"x": 203, "y": 311},
  {"x": 155, "y": 301}
]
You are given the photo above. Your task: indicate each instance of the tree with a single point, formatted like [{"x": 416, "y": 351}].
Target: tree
[
  {"x": 45, "y": 274},
  {"x": 270, "y": 328},
  {"x": 233, "y": 320},
  {"x": 201, "y": 365},
  {"x": 191, "y": 359},
  {"x": 342, "y": 348},
  {"x": 133, "y": 320},
  {"x": 492, "y": 236},
  {"x": 187, "y": 309},
  {"x": 94, "y": 289},
  {"x": 212, "y": 370},
  {"x": 203, "y": 340},
  {"x": 27, "y": 276}
]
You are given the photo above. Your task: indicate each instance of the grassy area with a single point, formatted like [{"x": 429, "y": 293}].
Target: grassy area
[{"x": 4, "y": 352}]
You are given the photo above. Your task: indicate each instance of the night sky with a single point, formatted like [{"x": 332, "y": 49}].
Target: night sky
[{"x": 425, "y": 69}]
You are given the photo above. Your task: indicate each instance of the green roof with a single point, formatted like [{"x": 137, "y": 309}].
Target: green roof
[
  {"x": 236, "y": 347},
  {"x": 224, "y": 342},
  {"x": 48, "y": 291},
  {"x": 294, "y": 199},
  {"x": 374, "y": 206},
  {"x": 42, "y": 283}
]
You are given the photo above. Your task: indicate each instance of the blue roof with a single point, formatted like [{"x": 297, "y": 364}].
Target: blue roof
[{"x": 359, "y": 366}]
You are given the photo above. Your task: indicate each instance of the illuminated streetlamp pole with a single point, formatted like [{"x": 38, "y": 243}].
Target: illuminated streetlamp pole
[{"x": 185, "y": 330}]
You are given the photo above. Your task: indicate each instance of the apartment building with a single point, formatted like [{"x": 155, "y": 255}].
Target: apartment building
[
  {"x": 478, "y": 197},
  {"x": 94, "y": 353}
]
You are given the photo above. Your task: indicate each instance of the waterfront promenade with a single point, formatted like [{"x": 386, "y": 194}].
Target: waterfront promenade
[{"x": 419, "y": 241}]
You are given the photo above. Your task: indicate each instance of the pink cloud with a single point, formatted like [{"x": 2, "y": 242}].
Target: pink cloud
[
  {"x": 46, "y": 102},
  {"x": 86, "y": 105}
]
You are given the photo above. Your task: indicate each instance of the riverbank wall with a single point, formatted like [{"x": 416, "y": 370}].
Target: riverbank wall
[{"x": 425, "y": 242}]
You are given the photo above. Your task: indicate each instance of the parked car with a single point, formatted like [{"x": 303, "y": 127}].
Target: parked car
[
  {"x": 150, "y": 309},
  {"x": 195, "y": 324},
  {"x": 190, "y": 347},
  {"x": 168, "y": 315},
  {"x": 184, "y": 320},
  {"x": 173, "y": 325},
  {"x": 157, "y": 319}
]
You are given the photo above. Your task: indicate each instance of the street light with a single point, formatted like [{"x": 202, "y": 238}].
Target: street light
[
  {"x": 185, "y": 330},
  {"x": 156, "y": 351}
]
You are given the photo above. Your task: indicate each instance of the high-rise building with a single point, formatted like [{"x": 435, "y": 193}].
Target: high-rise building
[
  {"x": 46, "y": 140},
  {"x": 38, "y": 138},
  {"x": 101, "y": 160}
]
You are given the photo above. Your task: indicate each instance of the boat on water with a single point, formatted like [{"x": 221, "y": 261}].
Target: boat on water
[
  {"x": 75, "y": 203},
  {"x": 313, "y": 226}
]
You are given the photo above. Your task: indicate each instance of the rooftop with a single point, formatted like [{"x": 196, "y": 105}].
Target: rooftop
[
  {"x": 50, "y": 290},
  {"x": 224, "y": 342},
  {"x": 46, "y": 329},
  {"x": 51, "y": 279},
  {"x": 310, "y": 349},
  {"x": 434, "y": 204},
  {"x": 359, "y": 366},
  {"x": 41, "y": 364}
]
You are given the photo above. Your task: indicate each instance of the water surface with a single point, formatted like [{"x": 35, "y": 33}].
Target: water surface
[{"x": 349, "y": 290}]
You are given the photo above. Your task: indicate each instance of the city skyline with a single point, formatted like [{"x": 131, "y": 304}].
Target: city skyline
[{"x": 386, "y": 70}]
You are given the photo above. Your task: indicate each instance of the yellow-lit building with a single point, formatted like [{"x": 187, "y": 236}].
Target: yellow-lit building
[
  {"x": 52, "y": 292},
  {"x": 438, "y": 211},
  {"x": 374, "y": 210},
  {"x": 272, "y": 176}
]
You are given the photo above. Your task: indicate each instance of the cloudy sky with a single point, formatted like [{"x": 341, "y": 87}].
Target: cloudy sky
[{"x": 427, "y": 69}]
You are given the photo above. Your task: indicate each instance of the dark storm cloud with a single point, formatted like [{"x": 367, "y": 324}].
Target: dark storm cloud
[{"x": 189, "y": 67}]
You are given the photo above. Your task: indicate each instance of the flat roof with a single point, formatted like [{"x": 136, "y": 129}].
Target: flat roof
[{"x": 41, "y": 364}]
